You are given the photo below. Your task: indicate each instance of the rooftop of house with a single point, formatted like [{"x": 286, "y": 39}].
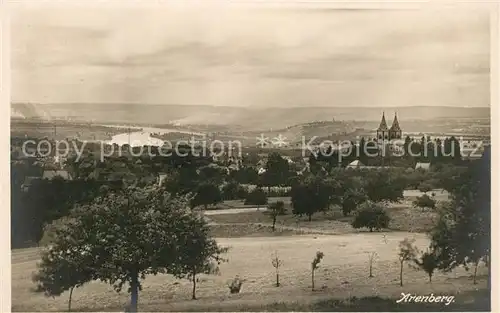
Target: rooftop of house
[
  {"x": 50, "y": 174},
  {"x": 423, "y": 165}
]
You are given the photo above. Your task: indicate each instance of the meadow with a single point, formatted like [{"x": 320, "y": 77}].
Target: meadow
[
  {"x": 342, "y": 280},
  {"x": 342, "y": 274}
]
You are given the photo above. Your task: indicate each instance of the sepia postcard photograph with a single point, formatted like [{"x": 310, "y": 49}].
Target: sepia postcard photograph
[{"x": 243, "y": 156}]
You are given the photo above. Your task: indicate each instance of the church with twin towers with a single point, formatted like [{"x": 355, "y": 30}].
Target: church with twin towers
[{"x": 389, "y": 133}]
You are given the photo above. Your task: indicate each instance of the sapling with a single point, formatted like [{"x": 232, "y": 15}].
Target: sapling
[
  {"x": 315, "y": 264},
  {"x": 406, "y": 253},
  {"x": 427, "y": 262},
  {"x": 277, "y": 263}
]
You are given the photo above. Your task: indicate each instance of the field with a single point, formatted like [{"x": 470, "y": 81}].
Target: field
[{"x": 342, "y": 275}]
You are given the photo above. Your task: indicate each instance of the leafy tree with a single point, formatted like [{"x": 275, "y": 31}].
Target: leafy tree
[
  {"x": 315, "y": 264},
  {"x": 277, "y": 171},
  {"x": 277, "y": 263},
  {"x": 129, "y": 235},
  {"x": 384, "y": 186},
  {"x": 206, "y": 194},
  {"x": 406, "y": 253},
  {"x": 310, "y": 196},
  {"x": 200, "y": 253},
  {"x": 275, "y": 209},
  {"x": 463, "y": 232},
  {"x": 245, "y": 175},
  {"x": 424, "y": 201},
  {"x": 233, "y": 190},
  {"x": 352, "y": 194},
  {"x": 406, "y": 147},
  {"x": 428, "y": 262},
  {"x": 212, "y": 173},
  {"x": 64, "y": 265},
  {"x": 256, "y": 197},
  {"x": 372, "y": 216}
]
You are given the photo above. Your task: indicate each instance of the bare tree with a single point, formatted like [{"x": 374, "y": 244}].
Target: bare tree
[{"x": 277, "y": 263}]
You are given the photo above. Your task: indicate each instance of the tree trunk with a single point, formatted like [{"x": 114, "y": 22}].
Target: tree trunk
[
  {"x": 277, "y": 279},
  {"x": 312, "y": 279},
  {"x": 70, "y": 295},
  {"x": 371, "y": 266},
  {"x": 475, "y": 273},
  {"x": 206, "y": 206},
  {"x": 274, "y": 222},
  {"x": 430, "y": 278},
  {"x": 194, "y": 286},
  {"x": 371, "y": 229},
  {"x": 134, "y": 292},
  {"x": 401, "y": 275},
  {"x": 310, "y": 217}
]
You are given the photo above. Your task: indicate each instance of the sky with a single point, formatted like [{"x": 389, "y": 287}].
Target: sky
[{"x": 251, "y": 57}]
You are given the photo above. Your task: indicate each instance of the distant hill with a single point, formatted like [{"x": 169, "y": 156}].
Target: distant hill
[{"x": 237, "y": 118}]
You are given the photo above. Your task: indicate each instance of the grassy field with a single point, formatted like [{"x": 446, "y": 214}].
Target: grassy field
[
  {"x": 404, "y": 217},
  {"x": 342, "y": 282},
  {"x": 342, "y": 274}
]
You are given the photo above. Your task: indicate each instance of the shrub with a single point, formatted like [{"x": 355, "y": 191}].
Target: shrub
[
  {"x": 372, "y": 216},
  {"x": 256, "y": 197},
  {"x": 424, "y": 201},
  {"x": 235, "y": 285},
  {"x": 233, "y": 191}
]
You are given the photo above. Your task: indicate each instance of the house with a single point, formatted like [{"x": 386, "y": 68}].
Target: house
[
  {"x": 423, "y": 166},
  {"x": 51, "y": 174},
  {"x": 355, "y": 164}
]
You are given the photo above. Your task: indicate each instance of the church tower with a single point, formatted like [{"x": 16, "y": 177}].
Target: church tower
[
  {"x": 395, "y": 131},
  {"x": 383, "y": 130}
]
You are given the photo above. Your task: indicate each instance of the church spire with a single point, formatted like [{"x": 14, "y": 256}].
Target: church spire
[
  {"x": 383, "y": 124},
  {"x": 395, "y": 123}
]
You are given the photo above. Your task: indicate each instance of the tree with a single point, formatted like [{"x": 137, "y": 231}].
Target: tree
[
  {"x": 463, "y": 232},
  {"x": 212, "y": 173},
  {"x": 275, "y": 209},
  {"x": 385, "y": 186},
  {"x": 233, "y": 190},
  {"x": 310, "y": 196},
  {"x": 315, "y": 264},
  {"x": 277, "y": 263},
  {"x": 424, "y": 201},
  {"x": 277, "y": 171},
  {"x": 200, "y": 253},
  {"x": 372, "y": 216},
  {"x": 406, "y": 253},
  {"x": 352, "y": 194},
  {"x": 256, "y": 197},
  {"x": 128, "y": 235},
  {"x": 206, "y": 194},
  {"x": 64, "y": 265},
  {"x": 428, "y": 262}
]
